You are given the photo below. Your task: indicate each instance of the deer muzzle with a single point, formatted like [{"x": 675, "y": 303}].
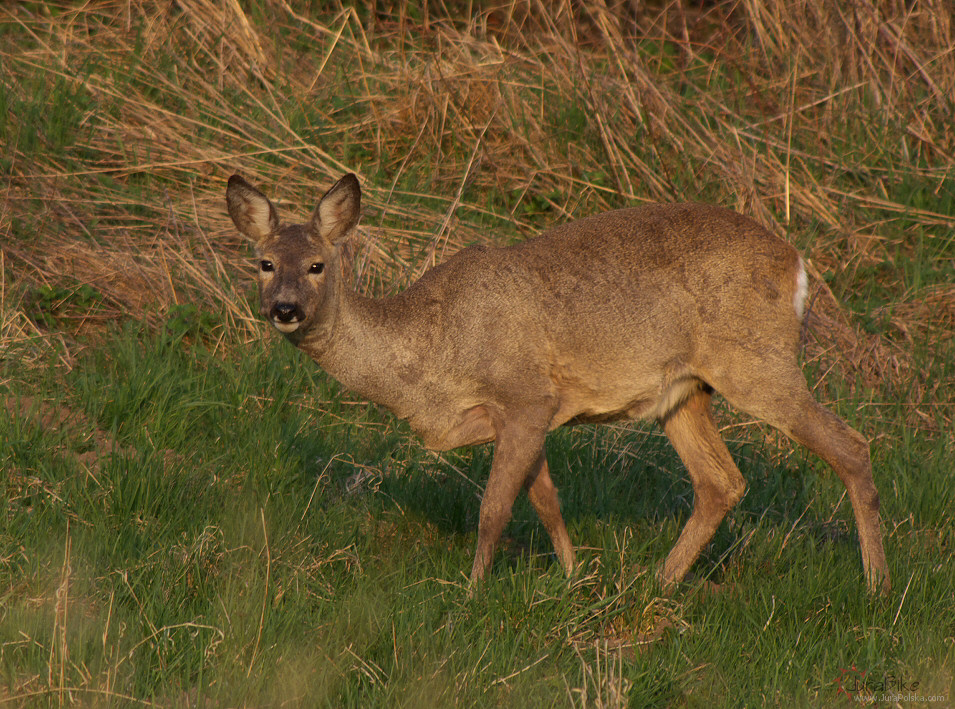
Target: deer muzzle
[{"x": 286, "y": 317}]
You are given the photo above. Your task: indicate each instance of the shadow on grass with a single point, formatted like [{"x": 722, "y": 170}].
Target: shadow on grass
[{"x": 609, "y": 480}]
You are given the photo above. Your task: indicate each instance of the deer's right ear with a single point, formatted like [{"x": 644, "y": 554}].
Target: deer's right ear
[{"x": 251, "y": 211}]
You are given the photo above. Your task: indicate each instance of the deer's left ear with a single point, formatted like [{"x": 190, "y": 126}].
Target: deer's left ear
[
  {"x": 251, "y": 211},
  {"x": 337, "y": 212}
]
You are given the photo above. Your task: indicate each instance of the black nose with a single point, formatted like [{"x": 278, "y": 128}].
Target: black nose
[{"x": 286, "y": 312}]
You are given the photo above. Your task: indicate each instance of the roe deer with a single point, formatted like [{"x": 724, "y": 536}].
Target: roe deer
[{"x": 631, "y": 314}]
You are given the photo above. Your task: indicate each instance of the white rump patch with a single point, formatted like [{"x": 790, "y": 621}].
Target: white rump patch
[{"x": 802, "y": 289}]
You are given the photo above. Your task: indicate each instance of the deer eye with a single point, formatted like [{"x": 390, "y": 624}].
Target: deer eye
[
  {"x": 316, "y": 268},
  {"x": 266, "y": 266}
]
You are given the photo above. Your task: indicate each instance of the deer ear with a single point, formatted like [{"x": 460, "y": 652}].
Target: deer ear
[
  {"x": 251, "y": 211},
  {"x": 337, "y": 212}
]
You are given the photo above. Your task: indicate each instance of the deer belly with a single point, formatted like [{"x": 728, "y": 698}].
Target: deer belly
[{"x": 641, "y": 395}]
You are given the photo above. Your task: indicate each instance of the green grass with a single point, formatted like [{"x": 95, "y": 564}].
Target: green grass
[
  {"x": 195, "y": 515},
  {"x": 249, "y": 535}
]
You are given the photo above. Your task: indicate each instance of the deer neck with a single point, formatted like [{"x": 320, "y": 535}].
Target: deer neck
[{"x": 364, "y": 345}]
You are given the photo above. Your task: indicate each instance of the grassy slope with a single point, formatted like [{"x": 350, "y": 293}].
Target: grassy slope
[{"x": 195, "y": 515}]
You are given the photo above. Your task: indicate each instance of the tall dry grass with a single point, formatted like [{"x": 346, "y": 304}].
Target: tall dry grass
[{"x": 469, "y": 125}]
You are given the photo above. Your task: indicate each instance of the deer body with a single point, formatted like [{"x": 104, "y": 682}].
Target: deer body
[{"x": 636, "y": 313}]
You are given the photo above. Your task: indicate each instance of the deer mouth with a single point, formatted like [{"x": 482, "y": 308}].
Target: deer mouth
[{"x": 286, "y": 327}]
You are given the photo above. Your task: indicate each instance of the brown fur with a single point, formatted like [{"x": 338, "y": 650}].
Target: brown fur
[{"x": 636, "y": 313}]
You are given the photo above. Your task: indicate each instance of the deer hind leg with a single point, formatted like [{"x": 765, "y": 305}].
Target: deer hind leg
[
  {"x": 717, "y": 483},
  {"x": 543, "y": 495},
  {"x": 847, "y": 451},
  {"x": 786, "y": 404}
]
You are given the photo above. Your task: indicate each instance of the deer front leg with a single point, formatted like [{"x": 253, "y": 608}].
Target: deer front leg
[
  {"x": 543, "y": 495},
  {"x": 517, "y": 453}
]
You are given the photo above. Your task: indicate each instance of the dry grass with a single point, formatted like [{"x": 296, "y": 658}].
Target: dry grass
[{"x": 455, "y": 126}]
